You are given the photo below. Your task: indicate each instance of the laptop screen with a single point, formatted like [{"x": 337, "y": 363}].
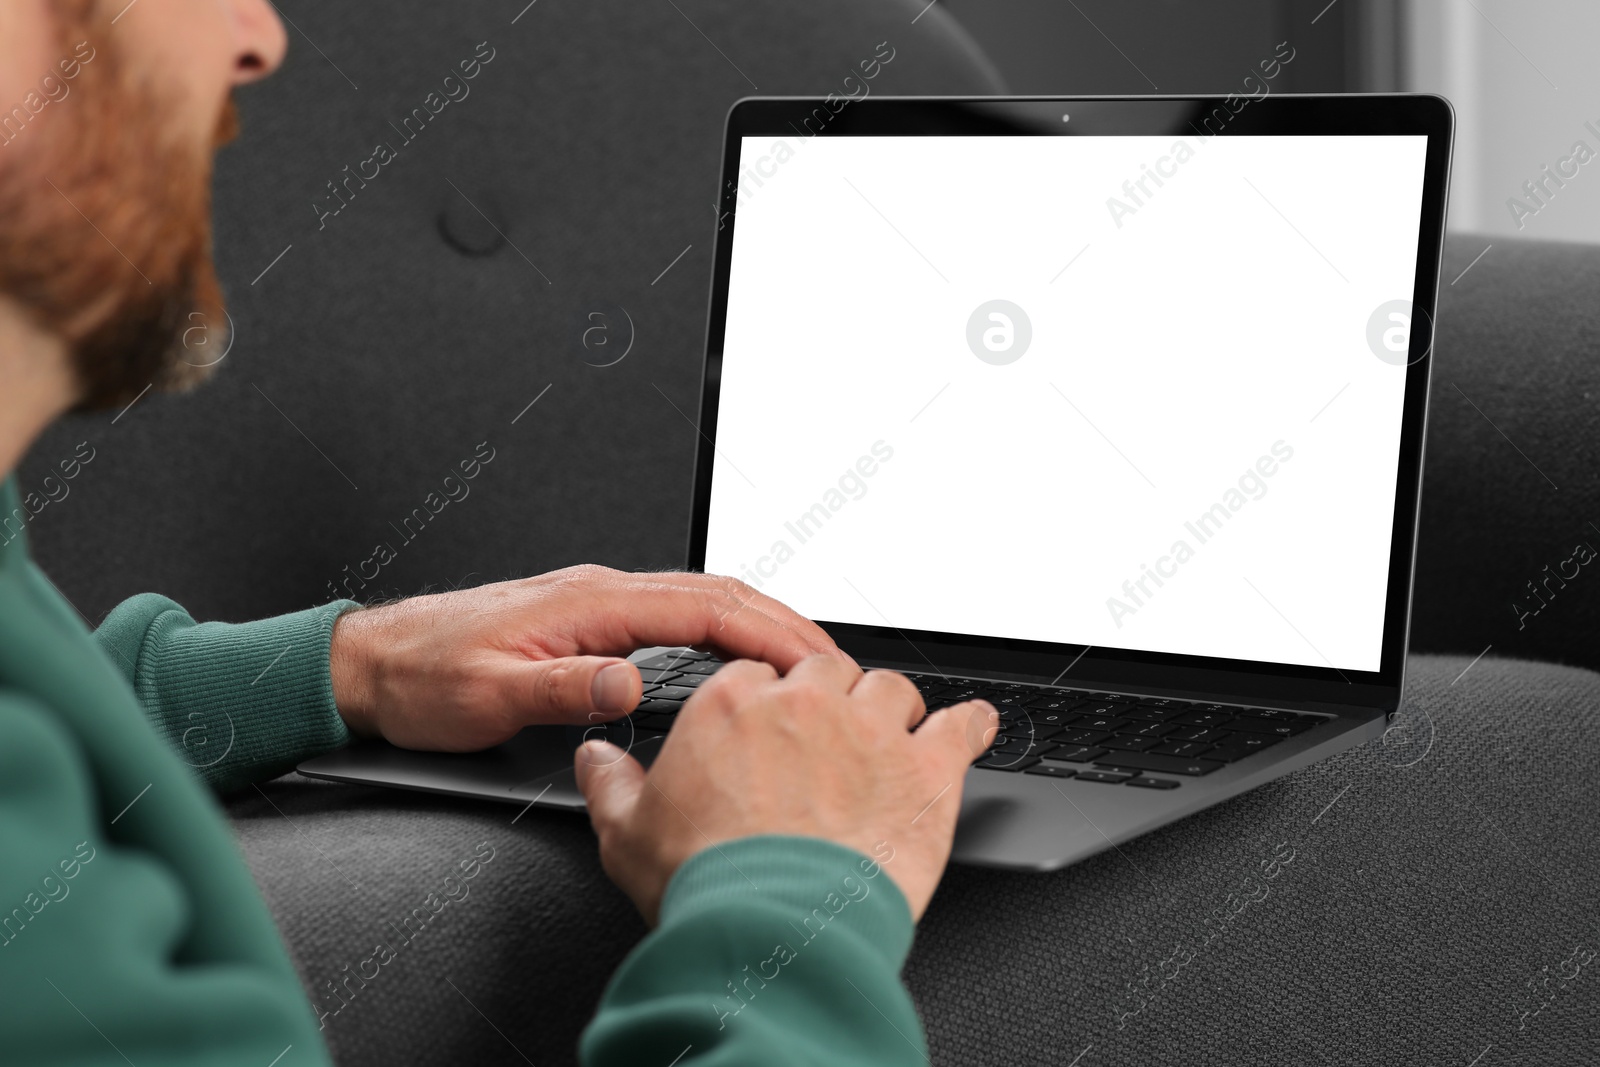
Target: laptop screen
[{"x": 1129, "y": 392}]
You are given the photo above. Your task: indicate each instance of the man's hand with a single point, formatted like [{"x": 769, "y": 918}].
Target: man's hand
[
  {"x": 457, "y": 672},
  {"x": 824, "y": 752}
]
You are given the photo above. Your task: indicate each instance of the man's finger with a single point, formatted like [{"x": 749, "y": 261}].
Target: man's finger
[
  {"x": 730, "y": 687},
  {"x": 719, "y": 613},
  {"x": 892, "y": 694},
  {"x": 960, "y": 734},
  {"x": 830, "y": 672},
  {"x": 573, "y": 689},
  {"x": 815, "y": 636},
  {"x": 610, "y": 781}
]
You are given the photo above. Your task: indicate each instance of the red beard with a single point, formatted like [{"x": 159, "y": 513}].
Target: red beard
[{"x": 107, "y": 239}]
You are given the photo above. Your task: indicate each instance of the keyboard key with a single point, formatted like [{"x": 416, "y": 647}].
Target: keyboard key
[
  {"x": 1100, "y": 708},
  {"x": 1198, "y": 733},
  {"x": 1148, "y": 729},
  {"x": 669, "y": 692},
  {"x": 1054, "y": 703},
  {"x": 1075, "y": 736},
  {"x": 1076, "y": 754},
  {"x": 675, "y": 661},
  {"x": 1150, "y": 761},
  {"x": 1099, "y": 722},
  {"x": 689, "y": 680},
  {"x": 1239, "y": 746},
  {"x": 1109, "y": 777},
  {"x": 1018, "y": 746},
  {"x": 1024, "y": 730},
  {"x": 1251, "y": 724},
  {"x": 1052, "y": 770},
  {"x": 1153, "y": 783},
  {"x": 1164, "y": 702},
  {"x": 706, "y": 667},
  {"x": 657, "y": 707},
  {"x": 1181, "y": 749},
  {"x": 656, "y": 677},
  {"x": 1007, "y": 763},
  {"x": 1204, "y": 718},
  {"x": 1144, "y": 714},
  {"x": 1123, "y": 743}
]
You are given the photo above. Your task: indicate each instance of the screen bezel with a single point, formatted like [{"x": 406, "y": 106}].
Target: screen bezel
[{"x": 1288, "y": 684}]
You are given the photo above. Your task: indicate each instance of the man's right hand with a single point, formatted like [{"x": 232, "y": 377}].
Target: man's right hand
[{"x": 824, "y": 752}]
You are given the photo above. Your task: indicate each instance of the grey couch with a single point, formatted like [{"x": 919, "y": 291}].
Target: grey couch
[{"x": 1431, "y": 896}]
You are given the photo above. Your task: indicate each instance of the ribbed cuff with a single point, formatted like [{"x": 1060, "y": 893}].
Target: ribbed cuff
[
  {"x": 818, "y": 883},
  {"x": 238, "y": 702}
]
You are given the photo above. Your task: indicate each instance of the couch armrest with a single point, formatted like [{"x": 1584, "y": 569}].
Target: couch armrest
[{"x": 1511, "y": 493}]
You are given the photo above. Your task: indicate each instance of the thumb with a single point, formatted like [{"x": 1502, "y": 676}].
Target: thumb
[
  {"x": 962, "y": 733},
  {"x": 576, "y": 689},
  {"x": 610, "y": 781}
]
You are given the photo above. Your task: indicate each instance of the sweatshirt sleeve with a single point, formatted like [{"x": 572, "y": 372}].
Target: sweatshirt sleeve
[
  {"x": 238, "y": 702},
  {"x": 774, "y": 950},
  {"x": 93, "y": 934}
]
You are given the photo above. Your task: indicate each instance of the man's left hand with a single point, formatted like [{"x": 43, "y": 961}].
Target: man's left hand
[{"x": 458, "y": 672}]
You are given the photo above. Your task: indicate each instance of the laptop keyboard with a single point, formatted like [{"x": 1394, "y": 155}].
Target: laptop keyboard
[{"x": 1111, "y": 738}]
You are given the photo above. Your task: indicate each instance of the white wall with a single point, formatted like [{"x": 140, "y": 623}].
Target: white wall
[{"x": 1524, "y": 78}]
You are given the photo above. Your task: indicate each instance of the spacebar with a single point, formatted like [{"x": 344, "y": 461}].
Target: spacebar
[{"x": 1149, "y": 761}]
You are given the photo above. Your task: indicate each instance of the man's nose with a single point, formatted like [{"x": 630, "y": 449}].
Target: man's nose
[{"x": 258, "y": 37}]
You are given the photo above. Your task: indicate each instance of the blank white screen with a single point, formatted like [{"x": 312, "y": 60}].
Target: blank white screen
[{"x": 1227, "y": 313}]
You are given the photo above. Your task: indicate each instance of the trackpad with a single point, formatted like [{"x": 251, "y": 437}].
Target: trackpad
[{"x": 559, "y": 786}]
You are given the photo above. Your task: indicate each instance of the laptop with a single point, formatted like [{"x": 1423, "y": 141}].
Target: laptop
[{"x": 1109, "y": 410}]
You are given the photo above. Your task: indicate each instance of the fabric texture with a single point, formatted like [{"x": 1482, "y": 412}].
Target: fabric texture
[
  {"x": 775, "y": 950},
  {"x": 1511, "y": 487},
  {"x": 1404, "y": 902},
  {"x": 239, "y": 702},
  {"x": 125, "y": 908}
]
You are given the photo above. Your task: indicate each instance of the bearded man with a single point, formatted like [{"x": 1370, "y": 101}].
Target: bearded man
[{"x": 130, "y": 930}]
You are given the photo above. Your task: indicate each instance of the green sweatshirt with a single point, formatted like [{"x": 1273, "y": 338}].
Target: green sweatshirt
[{"x": 130, "y": 929}]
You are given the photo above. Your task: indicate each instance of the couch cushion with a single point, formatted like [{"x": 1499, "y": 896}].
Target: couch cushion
[
  {"x": 1510, "y": 485},
  {"x": 1411, "y": 897}
]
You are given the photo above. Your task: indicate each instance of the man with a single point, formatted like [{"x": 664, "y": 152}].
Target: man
[{"x": 798, "y": 844}]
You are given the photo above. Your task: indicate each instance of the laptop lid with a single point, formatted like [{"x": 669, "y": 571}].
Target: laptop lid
[{"x": 1117, "y": 393}]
